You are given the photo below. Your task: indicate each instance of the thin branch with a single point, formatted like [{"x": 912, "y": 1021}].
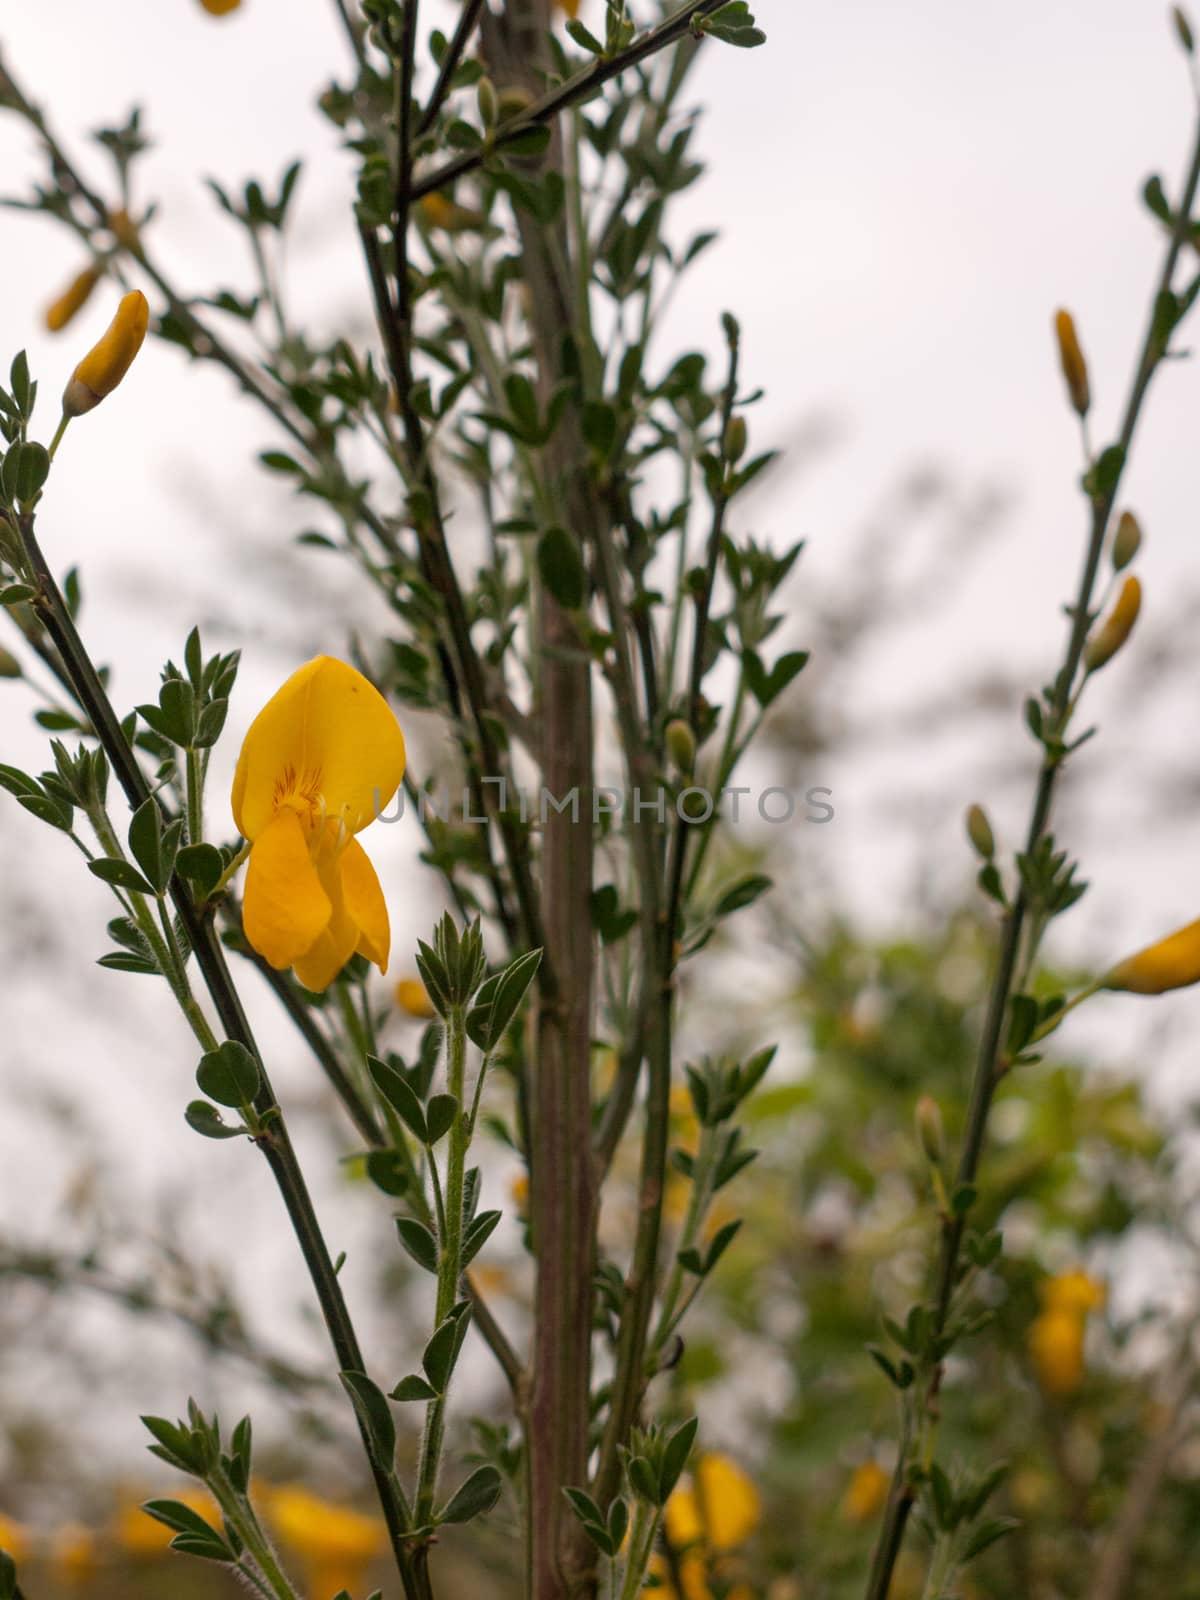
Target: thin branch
[
  {"x": 987, "y": 1073},
  {"x": 455, "y": 51},
  {"x": 575, "y": 89}
]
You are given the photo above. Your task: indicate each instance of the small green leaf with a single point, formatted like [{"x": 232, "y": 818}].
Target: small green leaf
[
  {"x": 374, "y": 1414},
  {"x": 675, "y": 1454},
  {"x": 478, "y": 1234},
  {"x": 413, "y": 1387},
  {"x": 229, "y": 1075},
  {"x": 400, "y": 1095},
  {"x": 439, "y": 1116},
  {"x": 206, "y": 1119},
  {"x": 419, "y": 1242},
  {"x": 561, "y": 568},
  {"x": 476, "y": 1496},
  {"x": 120, "y": 874}
]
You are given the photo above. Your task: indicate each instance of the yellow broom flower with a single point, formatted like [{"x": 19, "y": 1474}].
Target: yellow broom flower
[
  {"x": 107, "y": 362},
  {"x": 1172, "y": 963},
  {"x": 865, "y": 1493},
  {"x": 321, "y": 759},
  {"x": 1073, "y": 1291},
  {"x": 1056, "y": 1349},
  {"x": 571, "y": 7},
  {"x": 1073, "y": 365},
  {"x": 14, "y": 1538},
  {"x": 72, "y": 300},
  {"x": 74, "y": 1554},
  {"x": 413, "y": 997},
  {"x": 1112, "y": 634},
  {"x": 719, "y": 1505},
  {"x": 438, "y": 211},
  {"x": 336, "y": 1543},
  {"x": 220, "y": 8}
]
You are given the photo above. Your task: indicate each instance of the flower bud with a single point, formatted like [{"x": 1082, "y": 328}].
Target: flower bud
[
  {"x": 1073, "y": 365},
  {"x": 979, "y": 831},
  {"x": 72, "y": 300},
  {"x": 571, "y": 7},
  {"x": 681, "y": 744},
  {"x": 125, "y": 231},
  {"x": 10, "y": 667},
  {"x": 1128, "y": 541},
  {"x": 1183, "y": 28},
  {"x": 413, "y": 997},
  {"x": 930, "y": 1133},
  {"x": 489, "y": 104},
  {"x": 220, "y": 8},
  {"x": 735, "y": 439},
  {"x": 1172, "y": 963},
  {"x": 107, "y": 362},
  {"x": 1108, "y": 639}
]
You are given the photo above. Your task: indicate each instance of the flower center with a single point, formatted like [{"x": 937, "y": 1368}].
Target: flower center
[{"x": 301, "y": 793}]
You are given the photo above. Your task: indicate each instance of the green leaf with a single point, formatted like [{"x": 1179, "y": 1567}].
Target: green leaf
[
  {"x": 498, "y": 999},
  {"x": 478, "y": 1234},
  {"x": 413, "y": 1387},
  {"x": 476, "y": 1496},
  {"x": 209, "y": 1547},
  {"x": 987, "y": 1533},
  {"x": 120, "y": 874},
  {"x": 206, "y": 1119},
  {"x": 174, "y": 1514},
  {"x": 442, "y": 1350},
  {"x": 374, "y": 1414},
  {"x": 675, "y": 1454},
  {"x": 400, "y": 1095},
  {"x": 419, "y": 1242},
  {"x": 229, "y": 1075},
  {"x": 561, "y": 568},
  {"x": 202, "y": 865},
  {"x": 16, "y": 594},
  {"x": 743, "y": 894},
  {"x": 8, "y": 1576},
  {"x": 439, "y": 1116}
]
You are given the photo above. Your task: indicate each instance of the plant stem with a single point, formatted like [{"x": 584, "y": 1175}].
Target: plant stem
[
  {"x": 455, "y": 50},
  {"x": 275, "y": 1144},
  {"x": 900, "y": 1500},
  {"x": 241, "y": 1518}
]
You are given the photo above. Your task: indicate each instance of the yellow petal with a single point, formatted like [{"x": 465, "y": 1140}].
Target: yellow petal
[
  {"x": 319, "y": 965},
  {"x": 285, "y": 909},
  {"x": 107, "y": 362},
  {"x": 326, "y": 743},
  {"x": 724, "y": 1513},
  {"x": 1172, "y": 963},
  {"x": 365, "y": 905}
]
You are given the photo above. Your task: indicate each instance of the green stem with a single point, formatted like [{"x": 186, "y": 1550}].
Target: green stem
[
  {"x": 702, "y": 1175},
  {"x": 240, "y": 1517},
  {"x": 64, "y": 421},
  {"x": 641, "y": 1542},
  {"x": 195, "y": 798}
]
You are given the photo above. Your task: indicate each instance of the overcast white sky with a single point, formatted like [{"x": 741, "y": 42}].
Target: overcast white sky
[{"x": 905, "y": 194}]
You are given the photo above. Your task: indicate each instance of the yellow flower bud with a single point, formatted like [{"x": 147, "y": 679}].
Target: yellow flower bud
[
  {"x": 106, "y": 363},
  {"x": 220, "y": 8},
  {"x": 1108, "y": 639},
  {"x": 865, "y": 1493},
  {"x": 10, "y": 667},
  {"x": 681, "y": 744},
  {"x": 735, "y": 439},
  {"x": 72, "y": 300},
  {"x": 1073, "y": 365},
  {"x": 979, "y": 831},
  {"x": 439, "y": 212},
  {"x": 930, "y": 1132},
  {"x": 1056, "y": 1350},
  {"x": 1172, "y": 963},
  {"x": 413, "y": 997},
  {"x": 1128, "y": 541}
]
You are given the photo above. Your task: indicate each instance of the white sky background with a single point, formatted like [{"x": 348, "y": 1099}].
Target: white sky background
[{"x": 905, "y": 194}]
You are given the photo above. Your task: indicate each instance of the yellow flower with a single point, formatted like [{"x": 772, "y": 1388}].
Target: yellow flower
[
  {"x": 107, "y": 362},
  {"x": 571, "y": 7},
  {"x": 73, "y": 1553},
  {"x": 865, "y": 1493},
  {"x": 1073, "y": 365},
  {"x": 438, "y": 211},
  {"x": 413, "y": 997},
  {"x": 220, "y": 8},
  {"x": 72, "y": 300},
  {"x": 1172, "y": 963},
  {"x": 720, "y": 1506},
  {"x": 1056, "y": 1350},
  {"x": 14, "y": 1538},
  {"x": 1112, "y": 634},
  {"x": 335, "y": 1542},
  {"x": 1073, "y": 1291},
  {"x": 518, "y": 1193},
  {"x": 322, "y": 757}
]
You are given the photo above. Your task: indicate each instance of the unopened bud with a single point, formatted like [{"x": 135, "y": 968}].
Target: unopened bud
[
  {"x": 681, "y": 744},
  {"x": 220, "y": 8},
  {"x": 1073, "y": 365},
  {"x": 1183, "y": 28},
  {"x": 735, "y": 439},
  {"x": 931, "y": 1135},
  {"x": 107, "y": 362},
  {"x": 1112, "y": 634},
  {"x": 1128, "y": 541},
  {"x": 72, "y": 300},
  {"x": 124, "y": 230},
  {"x": 489, "y": 105},
  {"x": 512, "y": 100},
  {"x": 979, "y": 831},
  {"x": 10, "y": 667}
]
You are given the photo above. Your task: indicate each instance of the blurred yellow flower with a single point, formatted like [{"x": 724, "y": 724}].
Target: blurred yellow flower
[
  {"x": 1056, "y": 1350},
  {"x": 72, "y": 300},
  {"x": 1074, "y": 366},
  {"x": 571, "y": 7},
  {"x": 866, "y": 1492},
  {"x": 14, "y": 1538},
  {"x": 413, "y": 997},
  {"x": 518, "y": 1193},
  {"x": 1112, "y": 633},
  {"x": 1073, "y": 1291},
  {"x": 107, "y": 362},
  {"x": 321, "y": 759},
  {"x": 220, "y": 8},
  {"x": 336, "y": 1543},
  {"x": 439, "y": 211},
  {"x": 718, "y": 1505},
  {"x": 1172, "y": 963},
  {"x": 74, "y": 1553}
]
